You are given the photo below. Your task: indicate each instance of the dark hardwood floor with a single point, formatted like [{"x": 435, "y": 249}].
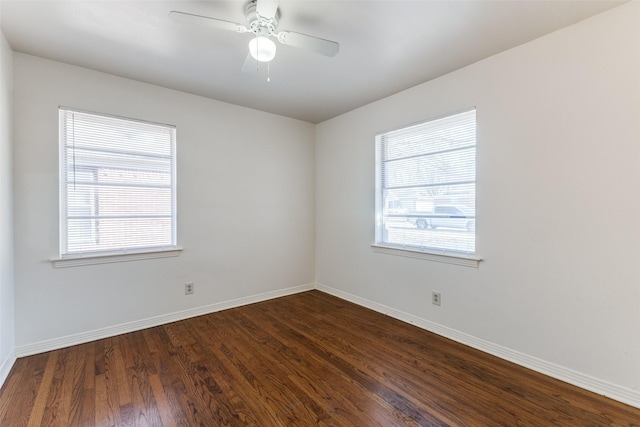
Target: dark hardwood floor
[{"x": 302, "y": 360}]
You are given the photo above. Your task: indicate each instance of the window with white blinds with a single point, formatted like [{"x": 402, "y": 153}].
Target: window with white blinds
[
  {"x": 117, "y": 185},
  {"x": 426, "y": 186}
]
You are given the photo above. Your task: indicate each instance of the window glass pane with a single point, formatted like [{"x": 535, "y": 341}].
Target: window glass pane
[
  {"x": 117, "y": 184},
  {"x": 426, "y": 185}
]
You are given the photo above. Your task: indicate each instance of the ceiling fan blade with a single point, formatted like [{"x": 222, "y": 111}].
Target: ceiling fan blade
[
  {"x": 267, "y": 8},
  {"x": 250, "y": 64},
  {"x": 189, "y": 18},
  {"x": 315, "y": 44}
]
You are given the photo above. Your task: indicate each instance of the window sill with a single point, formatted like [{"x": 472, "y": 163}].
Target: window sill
[
  {"x": 74, "y": 261},
  {"x": 446, "y": 257}
]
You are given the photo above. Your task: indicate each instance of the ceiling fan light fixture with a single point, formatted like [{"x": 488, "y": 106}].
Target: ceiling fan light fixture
[{"x": 262, "y": 48}]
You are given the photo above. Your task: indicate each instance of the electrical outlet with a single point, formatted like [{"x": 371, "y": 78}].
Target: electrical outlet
[
  {"x": 188, "y": 288},
  {"x": 435, "y": 298}
]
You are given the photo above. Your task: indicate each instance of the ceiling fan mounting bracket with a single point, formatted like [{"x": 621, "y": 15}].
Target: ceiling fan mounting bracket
[{"x": 258, "y": 24}]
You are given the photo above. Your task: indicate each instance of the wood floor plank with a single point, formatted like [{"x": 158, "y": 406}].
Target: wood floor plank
[
  {"x": 302, "y": 360},
  {"x": 144, "y": 405},
  {"x": 104, "y": 414},
  {"x": 37, "y": 410},
  {"x": 113, "y": 384},
  {"x": 83, "y": 391}
]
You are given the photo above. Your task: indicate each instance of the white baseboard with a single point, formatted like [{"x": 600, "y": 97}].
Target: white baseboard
[
  {"x": 587, "y": 382},
  {"x": 6, "y": 366},
  {"x": 84, "y": 337}
]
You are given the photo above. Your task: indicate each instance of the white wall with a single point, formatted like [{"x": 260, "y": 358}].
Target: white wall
[
  {"x": 558, "y": 184},
  {"x": 245, "y": 206},
  {"x": 6, "y": 211}
]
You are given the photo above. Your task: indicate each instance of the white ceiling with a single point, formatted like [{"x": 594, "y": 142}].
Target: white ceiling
[{"x": 385, "y": 46}]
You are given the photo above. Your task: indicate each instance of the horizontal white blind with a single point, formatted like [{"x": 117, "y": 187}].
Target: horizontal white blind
[
  {"x": 117, "y": 184},
  {"x": 426, "y": 185}
]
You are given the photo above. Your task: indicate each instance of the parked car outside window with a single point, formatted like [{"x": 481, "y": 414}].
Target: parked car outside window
[{"x": 449, "y": 216}]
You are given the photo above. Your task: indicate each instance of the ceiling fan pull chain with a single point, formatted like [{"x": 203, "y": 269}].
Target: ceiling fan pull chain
[
  {"x": 269, "y": 71},
  {"x": 257, "y": 49}
]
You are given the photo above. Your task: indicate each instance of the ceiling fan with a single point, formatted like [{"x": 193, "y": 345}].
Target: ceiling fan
[{"x": 263, "y": 17}]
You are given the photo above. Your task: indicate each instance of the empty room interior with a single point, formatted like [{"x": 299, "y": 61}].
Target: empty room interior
[{"x": 320, "y": 212}]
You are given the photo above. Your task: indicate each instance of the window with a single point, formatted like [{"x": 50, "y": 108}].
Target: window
[
  {"x": 426, "y": 186},
  {"x": 117, "y": 185}
]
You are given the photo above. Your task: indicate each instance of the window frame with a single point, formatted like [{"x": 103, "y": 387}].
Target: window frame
[
  {"x": 469, "y": 259},
  {"x": 67, "y": 258}
]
